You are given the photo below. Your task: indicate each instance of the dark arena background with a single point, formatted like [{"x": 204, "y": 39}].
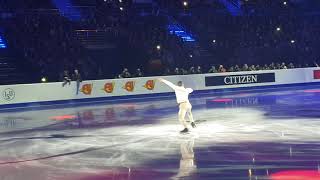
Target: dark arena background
[{"x": 83, "y": 92}]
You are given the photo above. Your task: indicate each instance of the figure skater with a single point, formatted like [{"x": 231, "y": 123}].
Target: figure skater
[{"x": 185, "y": 107}]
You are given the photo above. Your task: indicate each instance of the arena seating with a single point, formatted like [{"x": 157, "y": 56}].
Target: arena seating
[{"x": 108, "y": 35}]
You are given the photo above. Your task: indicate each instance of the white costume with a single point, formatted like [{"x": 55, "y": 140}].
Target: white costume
[{"x": 185, "y": 107}]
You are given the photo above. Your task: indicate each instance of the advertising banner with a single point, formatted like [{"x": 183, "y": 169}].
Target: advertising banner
[
  {"x": 44, "y": 92},
  {"x": 239, "y": 79}
]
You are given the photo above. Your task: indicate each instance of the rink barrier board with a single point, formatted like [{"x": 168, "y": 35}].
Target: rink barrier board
[
  {"x": 96, "y": 91},
  {"x": 147, "y": 97}
]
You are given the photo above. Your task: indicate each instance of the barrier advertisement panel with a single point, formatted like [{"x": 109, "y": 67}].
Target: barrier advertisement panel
[
  {"x": 25, "y": 93},
  {"x": 239, "y": 79}
]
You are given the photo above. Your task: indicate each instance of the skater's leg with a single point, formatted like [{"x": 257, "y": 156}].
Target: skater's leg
[
  {"x": 182, "y": 114},
  {"x": 190, "y": 116}
]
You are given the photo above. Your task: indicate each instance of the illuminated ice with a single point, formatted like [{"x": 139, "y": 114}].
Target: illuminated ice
[{"x": 144, "y": 136}]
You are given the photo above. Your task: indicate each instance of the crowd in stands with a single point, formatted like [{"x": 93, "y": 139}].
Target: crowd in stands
[
  {"x": 47, "y": 39},
  {"x": 216, "y": 69},
  {"x": 281, "y": 35}
]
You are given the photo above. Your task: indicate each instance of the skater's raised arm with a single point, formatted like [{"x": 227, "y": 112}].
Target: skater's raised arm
[{"x": 170, "y": 84}]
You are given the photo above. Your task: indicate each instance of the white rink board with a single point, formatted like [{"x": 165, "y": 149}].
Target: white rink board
[{"x": 27, "y": 93}]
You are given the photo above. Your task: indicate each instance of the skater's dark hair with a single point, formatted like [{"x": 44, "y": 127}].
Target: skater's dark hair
[{"x": 180, "y": 83}]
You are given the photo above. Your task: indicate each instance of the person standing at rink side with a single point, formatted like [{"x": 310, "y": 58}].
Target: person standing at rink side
[
  {"x": 182, "y": 95},
  {"x": 77, "y": 77}
]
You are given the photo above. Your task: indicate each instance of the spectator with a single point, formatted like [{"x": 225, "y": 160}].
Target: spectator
[
  {"x": 138, "y": 73},
  {"x": 125, "y": 73},
  {"x": 176, "y": 71},
  {"x": 283, "y": 66},
  {"x": 199, "y": 71},
  {"x": 221, "y": 69},
  {"x": 258, "y": 67},
  {"x": 252, "y": 68},
  {"x": 212, "y": 70},
  {"x": 237, "y": 68},
  {"x": 245, "y": 67},
  {"x": 192, "y": 70}
]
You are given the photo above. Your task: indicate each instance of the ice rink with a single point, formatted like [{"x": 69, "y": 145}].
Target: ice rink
[{"x": 269, "y": 134}]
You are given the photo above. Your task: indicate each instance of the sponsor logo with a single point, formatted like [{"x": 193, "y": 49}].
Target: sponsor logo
[
  {"x": 129, "y": 86},
  {"x": 149, "y": 85},
  {"x": 239, "y": 79},
  {"x": 108, "y": 87},
  {"x": 316, "y": 74},
  {"x": 86, "y": 89},
  {"x": 8, "y": 94}
]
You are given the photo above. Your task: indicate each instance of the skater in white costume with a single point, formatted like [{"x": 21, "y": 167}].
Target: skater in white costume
[{"x": 182, "y": 95}]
